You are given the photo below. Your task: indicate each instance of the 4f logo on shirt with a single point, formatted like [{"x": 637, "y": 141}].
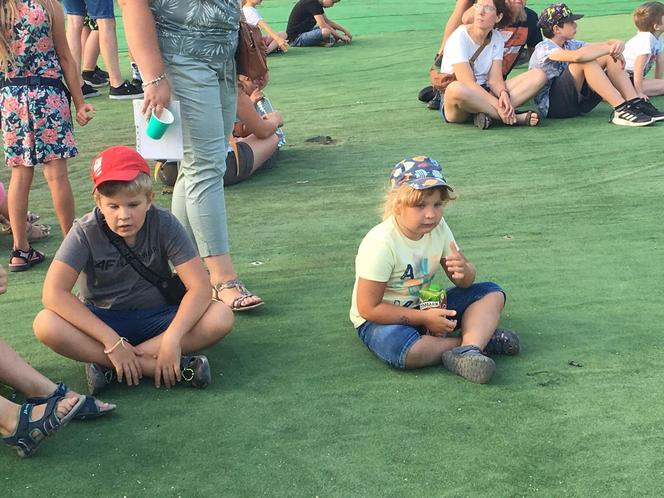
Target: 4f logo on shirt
[{"x": 408, "y": 273}]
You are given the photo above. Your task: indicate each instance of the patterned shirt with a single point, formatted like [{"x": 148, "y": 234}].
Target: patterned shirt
[
  {"x": 205, "y": 29},
  {"x": 553, "y": 69}
]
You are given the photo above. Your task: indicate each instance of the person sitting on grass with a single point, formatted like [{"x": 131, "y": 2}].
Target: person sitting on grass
[
  {"x": 399, "y": 257},
  {"x": 580, "y": 75},
  {"x": 308, "y": 26},
  {"x": 123, "y": 327},
  {"x": 48, "y": 406},
  {"x": 474, "y": 55},
  {"x": 272, "y": 40},
  {"x": 645, "y": 49},
  {"x": 520, "y": 36}
]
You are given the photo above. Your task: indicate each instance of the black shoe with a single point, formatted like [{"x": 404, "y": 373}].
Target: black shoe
[
  {"x": 98, "y": 377},
  {"x": 101, "y": 72},
  {"x": 469, "y": 363},
  {"x": 649, "y": 110},
  {"x": 137, "y": 83},
  {"x": 195, "y": 371},
  {"x": 426, "y": 94},
  {"x": 125, "y": 91},
  {"x": 503, "y": 341},
  {"x": 94, "y": 79},
  {"x": 89, "y": 92},
  {"x": 627, "y": 114},
  {"x": 434, "y": 103}
]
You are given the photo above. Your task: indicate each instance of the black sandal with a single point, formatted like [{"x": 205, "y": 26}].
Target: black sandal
[
  {"x": 482, "y": 120},
  {"x": 30, "y": 433},
  {"x": 30, "y": 258}
]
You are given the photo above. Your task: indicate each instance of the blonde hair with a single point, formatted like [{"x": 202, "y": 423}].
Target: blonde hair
[
  {"x": 142, "y": 184},
  {"x": 647, "y": 15},
  {"x": 8, "y": 18},
  {"x": 405, "y": 195}
]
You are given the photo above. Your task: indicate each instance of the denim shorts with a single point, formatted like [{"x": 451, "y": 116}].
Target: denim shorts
[
  {"x": 137, "y": 326},
  {"x": 309, "y": 39},
  {"x": 392, "y": 342},
  {"x": 96, "y": 9}
]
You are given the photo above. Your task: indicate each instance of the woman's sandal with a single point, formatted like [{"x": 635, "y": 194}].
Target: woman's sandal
[
  {"x": 482, "y": 120},
  {"x": 30, "y": 433},
  {"x": 30, "y": 258},
  {"x": 528, "y": 118},
  {"x": 236, "y": 305},
  {"x": 89, "y": 408}
]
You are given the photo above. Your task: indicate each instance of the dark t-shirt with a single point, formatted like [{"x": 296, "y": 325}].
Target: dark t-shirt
[
  {"x": 301, "y": 18},
  {"x": 106, "y": 279},
  {"x": 524, "y": 33}
]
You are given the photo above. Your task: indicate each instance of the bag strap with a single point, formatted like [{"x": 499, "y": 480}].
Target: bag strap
[
  {"x": 481, "y": 48},
  {"x": 125, "y": 251}
]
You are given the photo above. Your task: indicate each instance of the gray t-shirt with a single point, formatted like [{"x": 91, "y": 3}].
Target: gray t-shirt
[
  {"x": 206, "y": 29},
  {"x": 106, "y": 279},
  {"x": 553, "y": 69}
]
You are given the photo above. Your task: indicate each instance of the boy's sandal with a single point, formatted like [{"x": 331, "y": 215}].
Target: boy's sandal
[
  {"x": 482, "y": 120},
  {"x": 89, "y": 408},
  {"x": 30, "y": 433},
  {"x": 528, "y": 118},
  {"x": 236, "y": 305},
  {"x": 30, "y": 258}
]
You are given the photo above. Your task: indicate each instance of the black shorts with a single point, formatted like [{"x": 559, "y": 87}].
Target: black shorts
[
  {"x": 565, "y": 101},
  {"x": 235, "y": 173}
]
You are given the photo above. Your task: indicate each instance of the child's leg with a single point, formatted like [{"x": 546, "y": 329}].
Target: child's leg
[
  {"x": 65, "y": 339},
  {"x": 597, "y": 79},
  {"x": 524, "y": 86},
  {"x": 461, "y": 101},
  {"x": 55, "y": 173},
  {"x": 15, "y": 372},
  {"x": 618, "y": 77},
  {"x": 481, "y": 319},
  {"x": 9, "y": 413},
  {"x": 262, "y": 148},
  {"x": 402, "y": 346},
  {"x": 653, "y": 88},
  {"x": 17, "y": 203}
]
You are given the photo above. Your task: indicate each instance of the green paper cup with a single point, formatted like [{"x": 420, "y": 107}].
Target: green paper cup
[{"x": 157, "y": 126}]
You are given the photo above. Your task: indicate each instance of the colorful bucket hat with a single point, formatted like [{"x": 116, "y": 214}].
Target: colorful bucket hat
[
  {"x": 419, "y": 172},
  {"x": 556, "y": 13}
]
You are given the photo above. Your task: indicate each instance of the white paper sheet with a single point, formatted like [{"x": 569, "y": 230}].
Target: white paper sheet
[{"x": 167, "y": 147}]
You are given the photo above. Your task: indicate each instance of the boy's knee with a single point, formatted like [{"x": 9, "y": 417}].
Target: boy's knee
[
  {"x": 497, "y": 297},
  {"x": 325, "y": 32},
  {"x": 222, "y": 319},
  {"x": 539, "y": 76},
  {"x": 43, "y": 326}
]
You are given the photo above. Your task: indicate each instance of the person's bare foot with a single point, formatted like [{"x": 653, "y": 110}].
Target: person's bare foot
[{"x": 62, "y": 408}]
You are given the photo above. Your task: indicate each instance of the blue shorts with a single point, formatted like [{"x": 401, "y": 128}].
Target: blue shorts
[
  {"x": 137, "y": 326},
  {"x": 95, "y": 9},
  {"x": 309, "y": 39},
  {"x": 392, "y": 342}
]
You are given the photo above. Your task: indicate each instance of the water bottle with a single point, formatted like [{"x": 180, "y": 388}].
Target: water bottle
[{"x": 264, "y": 106}]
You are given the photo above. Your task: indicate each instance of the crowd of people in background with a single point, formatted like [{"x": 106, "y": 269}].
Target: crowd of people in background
[{"x": 125, "y": 324}]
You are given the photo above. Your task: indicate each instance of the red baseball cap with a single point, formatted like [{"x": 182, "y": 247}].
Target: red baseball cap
[{"x": 118, "y": 163}]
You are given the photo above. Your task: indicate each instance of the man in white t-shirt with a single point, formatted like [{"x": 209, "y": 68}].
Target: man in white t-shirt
[{"x": 645, "y": 49}]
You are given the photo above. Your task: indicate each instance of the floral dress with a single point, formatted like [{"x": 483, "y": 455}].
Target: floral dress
[{"x": 36, "y": 120}]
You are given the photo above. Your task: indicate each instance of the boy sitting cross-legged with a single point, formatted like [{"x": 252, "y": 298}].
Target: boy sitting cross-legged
[
  {"x": 122, "y": 326},
  {"x": 581, "y": 74}
]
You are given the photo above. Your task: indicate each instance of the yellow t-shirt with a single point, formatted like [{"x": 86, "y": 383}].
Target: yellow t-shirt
[{"x": 386, "y": 255}]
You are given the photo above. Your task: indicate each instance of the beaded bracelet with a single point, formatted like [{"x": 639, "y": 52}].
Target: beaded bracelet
[
  {"x": 121, "y": 340},
  {"x": 154, "y": 81}
]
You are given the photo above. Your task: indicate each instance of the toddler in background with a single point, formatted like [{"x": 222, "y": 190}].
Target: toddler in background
[
  {"x": 645, "y": 49},
  {"x": 273, "y": 40}
]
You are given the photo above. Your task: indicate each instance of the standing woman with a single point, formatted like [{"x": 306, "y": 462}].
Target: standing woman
[{"x": 187, "y": 47}]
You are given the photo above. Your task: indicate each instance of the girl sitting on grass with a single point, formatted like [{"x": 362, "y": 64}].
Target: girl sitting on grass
[
  {"x": 272, "y": 40},
  {"x": 399, "y": 257}
]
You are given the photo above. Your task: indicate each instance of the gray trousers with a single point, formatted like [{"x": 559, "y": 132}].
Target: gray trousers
[{"x": 207, "y": 91}]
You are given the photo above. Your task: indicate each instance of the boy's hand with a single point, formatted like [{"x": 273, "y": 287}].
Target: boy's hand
[
  {"x": 282, "y": 43},
  {"x": 3, "y": 280},
  {"x": 456, "y": 263},
  {"x": 616, "y": 48},
  {"x": 126, "y": 364},
  {"x": 168, "y": 362},
  {"x": 438, "y": 321},
  {"x": 84, "y": 114},
  {"x": 643, "y": 96}
]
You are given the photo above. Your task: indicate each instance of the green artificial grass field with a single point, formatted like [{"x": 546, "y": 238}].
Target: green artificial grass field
[{"x": 564, "y": 216}]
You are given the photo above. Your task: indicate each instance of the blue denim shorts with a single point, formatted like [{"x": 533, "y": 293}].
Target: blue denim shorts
[
  {"x": 96, "y": 9},
  {"x": 137, "y": 326},
  {"x": 309, "y": 39},
  {"x": 392, "y": 342}
]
